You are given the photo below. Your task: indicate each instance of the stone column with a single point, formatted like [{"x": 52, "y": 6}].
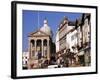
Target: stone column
[
  {"x": 29, "y": 62},
  {"x": 48, "y": 50},
  {"x": 42, "y": 48},
  {"x": 35, "y": 45},
  {"x": 35, "y": 48},
  {"x": 31, "y": 49}
]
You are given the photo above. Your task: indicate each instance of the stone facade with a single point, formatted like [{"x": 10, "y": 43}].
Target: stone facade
[
  {"x": 76, "y": 35},
  {"x": 40, "y": 46}
]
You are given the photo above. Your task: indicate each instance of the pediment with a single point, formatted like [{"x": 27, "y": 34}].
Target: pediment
[{"x": 38, "y": 33}]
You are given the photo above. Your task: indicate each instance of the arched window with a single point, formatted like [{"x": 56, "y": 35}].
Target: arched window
[
  {"x": 45, "y": 42},
  {"x": 33, "y": 43},
  {"x": 38, "y": 42}
]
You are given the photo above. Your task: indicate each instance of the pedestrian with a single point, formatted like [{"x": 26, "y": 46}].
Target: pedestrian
[{"x": 39, "y": 55}]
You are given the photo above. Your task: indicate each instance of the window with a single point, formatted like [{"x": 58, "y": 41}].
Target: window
[
  {"x": 62, "y": 41},
  {"x": 74, "y": 36},
  {"x": 33, "y": 43},
  {"x": 25, "y": 62}
]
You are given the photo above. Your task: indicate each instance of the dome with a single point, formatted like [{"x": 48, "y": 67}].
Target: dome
[{"x": 46, "y": 28}]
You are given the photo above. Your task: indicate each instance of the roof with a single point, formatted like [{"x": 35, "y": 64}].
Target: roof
[
  {"x": 45, "y": 28},
  {"x": 37, "y": 33}
]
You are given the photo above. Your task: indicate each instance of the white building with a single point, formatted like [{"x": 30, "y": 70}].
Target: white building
[
  {"x": 25, "y": 57},
  {"x": 77, "y": 35},
  {"x": 57, "y": 42},
  {"x": 72, "y": 39},
  {"x": 61, "y": 37},
  {"x": 86, "y": 40},
  {"x": 86, "y": 31}
]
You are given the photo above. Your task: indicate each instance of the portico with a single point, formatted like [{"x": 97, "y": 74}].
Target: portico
[{"x": 39, "y": 45}]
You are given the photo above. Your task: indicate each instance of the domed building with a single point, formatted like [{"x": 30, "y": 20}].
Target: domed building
[
  {"x": 46, "y": 28},
  {"x": 40, "y": 43}
]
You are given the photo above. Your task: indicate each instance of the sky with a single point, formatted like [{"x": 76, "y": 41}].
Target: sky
[{"x": 33, "y": 20}]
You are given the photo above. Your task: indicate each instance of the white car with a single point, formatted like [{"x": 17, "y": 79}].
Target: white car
[{"x": 54, "y": 66}]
